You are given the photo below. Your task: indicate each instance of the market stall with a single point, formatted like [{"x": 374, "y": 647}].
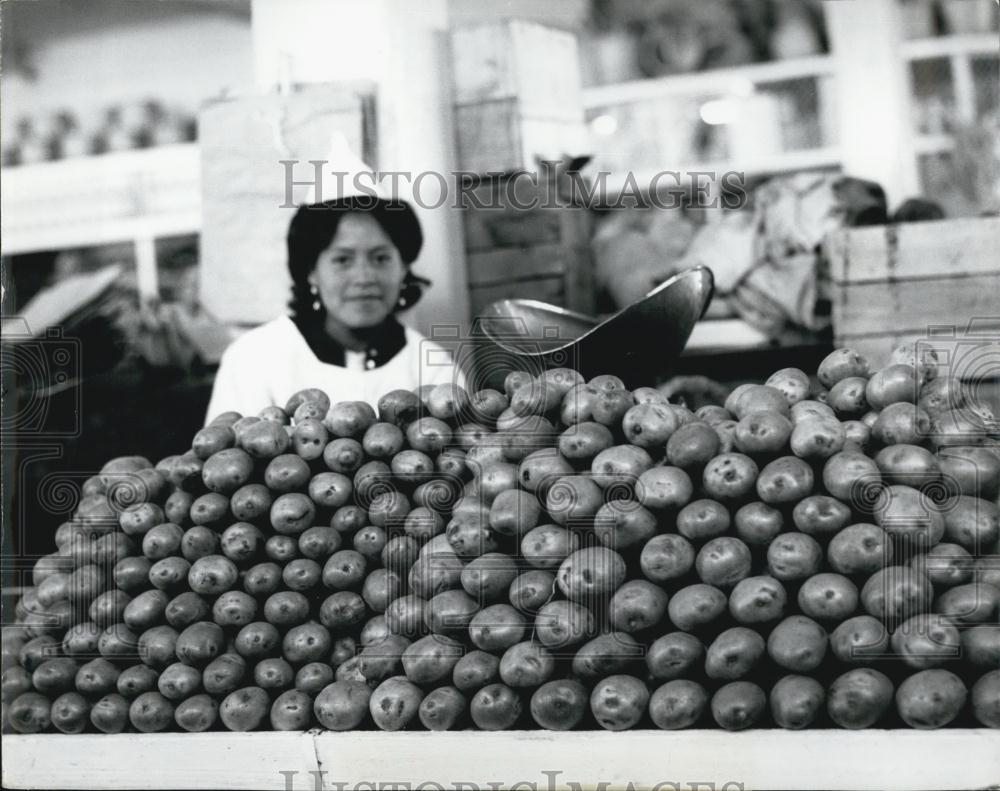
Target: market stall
[{"x": 685, "y": 472}]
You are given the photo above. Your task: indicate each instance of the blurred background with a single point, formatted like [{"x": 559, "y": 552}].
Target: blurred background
[{"x": 136, "y": 137}]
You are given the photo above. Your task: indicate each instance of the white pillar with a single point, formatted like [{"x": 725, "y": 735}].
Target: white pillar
[
  {"x": 401, "y": 46},
  {"x": 872, "y": 94}
]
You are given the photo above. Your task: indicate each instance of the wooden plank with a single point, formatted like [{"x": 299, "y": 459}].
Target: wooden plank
[
  {"x": 490, "y": 228},
  {"x": 503, "y": 266},
  {"x": 535, "y": 64},
  {"x": 546, "y": 289},
  {"x": 158, "y": 761},
  {"x": 915, "y": 250},
  {"x": 892, "y": 760},
  {"x": 499, "y": 136},
  {"x": 914, "y": 305}
]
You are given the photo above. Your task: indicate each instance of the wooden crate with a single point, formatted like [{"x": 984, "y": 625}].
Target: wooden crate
[
  {"x": 891, "y": 760},
  {"x": 937, "y": 282},
  {"x": 539, "y": 253}
]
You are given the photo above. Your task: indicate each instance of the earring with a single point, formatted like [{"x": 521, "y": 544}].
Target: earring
[
  {"x": 317, "y": 305},
  {"x": 402, "y": 302}
]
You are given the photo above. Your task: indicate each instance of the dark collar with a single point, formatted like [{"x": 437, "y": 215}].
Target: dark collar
[{"x": 384, "y": 342}]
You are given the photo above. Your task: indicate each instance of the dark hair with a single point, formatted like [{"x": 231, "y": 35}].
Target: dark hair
[{"x": 314, "y": 226}]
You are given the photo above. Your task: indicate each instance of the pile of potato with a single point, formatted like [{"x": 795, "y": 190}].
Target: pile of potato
[{"x": 564, "y": 554}]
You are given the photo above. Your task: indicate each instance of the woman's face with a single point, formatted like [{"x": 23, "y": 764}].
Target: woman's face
[{"x": 360, "y": 274}]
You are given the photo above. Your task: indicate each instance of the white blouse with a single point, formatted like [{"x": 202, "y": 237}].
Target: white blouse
[{"x": 268, "y": 364}]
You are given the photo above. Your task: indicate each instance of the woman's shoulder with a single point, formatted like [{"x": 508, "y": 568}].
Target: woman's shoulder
[{"x": 271, "y": 335}]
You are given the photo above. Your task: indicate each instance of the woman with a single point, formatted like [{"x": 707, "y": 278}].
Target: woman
[{"x": 349, "y": 259}]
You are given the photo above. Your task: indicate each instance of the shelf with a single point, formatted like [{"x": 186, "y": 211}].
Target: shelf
[
  {"x": 785, "y": 162},
  {"x": 948, "y": 46},
  {"x": 717, "y": 81},
  {"x": 116, "y": 197},
  {"x": 932, "y": 144},
  {"x": 897, "y": 760}
]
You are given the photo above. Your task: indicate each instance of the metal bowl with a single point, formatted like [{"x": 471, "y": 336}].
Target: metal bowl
[{"x": 639, "y": 344}]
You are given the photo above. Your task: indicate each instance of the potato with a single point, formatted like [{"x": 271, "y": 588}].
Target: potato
[
  {"x": 200, "y": 643},
  {"x": 734, "y": 653},
  {"x": 607, "y": 654},
  {"x": 210, "y": 509},
  {"x": 178, "y": 681},
  {"x": 975, "y": 472},
  {"x": 860, "y": 640},
  {"x": 54, "y": 676},
  {"x": 925, "y": 641},
  {"x": 338, "y": 612},
  {"x": 976, "y": 602},
  {"x": 619, "y": 702},
  {"x": 909, "y": 515},
  {"x": 985, "y": 697},
  {"x": 797, "y": 644},
  {"x": 819, "y": 515},
  {"x": 212, "y": 575},
  {"x": 692, "y": 446},
  {"x": 621, "y": 524},
  {"x": 488, "y": 577},
  {"x": 793, "y": 556},
  {"x": 841, "y": 364},
  {"x": 475, "y": 670},
  {"x": 809, "y": 409},
  {"x": 228, "y": 469},
  {"x": 892, "y": 384},
  {"x": 620, "y": 465},
  {"x": 151, "y": 713},
  {"x": 307, "y": 642},
  {"x": 138, "y": 519},
  {"x": 136, "y": 680},
  {"x": 859, "y": 549},
  {"x": 185, "y": 609},
  {"x": 723, "y": 562},
  {"x": 847, "y": 474},
  {"x": 757, "y": 524},
  {"x": 859, "y": 698},
  {"x": 972, "y": 523},
  {"x": 234, "y": 609},
  {"x": 497, "y": 628},
  {"x": 784, "y": 480},
  {"x": 749, "y": 399},
  {"x": 701, "y": 520},
  {"x": 573, "y": 500},
  {"x": 738, "y": 705},
  {"x": 30, "y": 713},
  {"x": 225, "y": 673},
  {"x": 450, "y": 612},
  {"x": 531, "y": 589},
  {"x": 581, "y": 442},
  {"x": 757, "y": 600},
  {"x": 110, "y": 714},
  {"x": 526, "y": 664},
  {"x": 677, "y": 704},
  {"x": 431, "y": 659},
  {"x": 895, "y": 592},
  {"x": 292, "y": 513},
  {"x": 792, "y": 382},
  {"x": 637, "y": 605},
  {"x": 343, "y": 455},
  {"x": 696, "y": 606},
  {"x": 592, "y": 574},
  {"x": 495, "y": 707},
  {"x": 514, "y": 512},
  {"x": 796, "y": 701},
  {"x": 930, "y": 699},
  {"x": 815, "y": 439},
  {"x": 828, "y": 597},
  {"x": 666, "y": 557},
  {"x": 907, "y": 465},
  {"x": 730, "y": 477}
]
